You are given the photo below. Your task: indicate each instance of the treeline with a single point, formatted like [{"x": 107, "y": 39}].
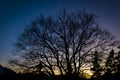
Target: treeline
[
  {"x": 106, "y": 67},
  {"x": 107, "y": 70}
]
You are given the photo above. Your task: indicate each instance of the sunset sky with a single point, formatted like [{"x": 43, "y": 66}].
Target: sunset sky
[{"x": 16, "y": 14}]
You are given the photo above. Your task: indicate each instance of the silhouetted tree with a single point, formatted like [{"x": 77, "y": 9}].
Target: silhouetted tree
[
  {"x": 110, "y": 63},
  {"x": 117, "y": 62},
  {"x": 96, "y": 61},
  {"x": 60, "y": 43}
]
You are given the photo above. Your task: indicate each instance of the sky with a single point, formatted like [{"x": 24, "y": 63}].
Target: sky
[{"x": 16, "y": 14}]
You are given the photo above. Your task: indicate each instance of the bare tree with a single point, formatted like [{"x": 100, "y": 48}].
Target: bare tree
[{"x": 61, "y": 43}]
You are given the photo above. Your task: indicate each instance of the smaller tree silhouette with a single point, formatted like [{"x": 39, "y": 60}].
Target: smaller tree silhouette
[
  {"x": 96, "y": 61},
  {"x": 110, "y": 63},
  {"x": 117, "y": 62}
]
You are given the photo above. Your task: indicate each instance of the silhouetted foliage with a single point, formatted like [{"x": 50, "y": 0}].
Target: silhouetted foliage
[
  {"x": 110, "y": 63},
  {"x": 117, "y": 62},
  {"x": 6, "y": 74},
  {"x": 96, "y": 61},
  {"x": 111, "y": 67},
  {"x": 61, "y": 44}
]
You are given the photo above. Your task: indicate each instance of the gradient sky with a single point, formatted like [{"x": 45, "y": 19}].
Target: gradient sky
[{"x": 16, "y": 14}]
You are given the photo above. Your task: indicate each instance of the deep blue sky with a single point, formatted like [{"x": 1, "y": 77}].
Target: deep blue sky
[{"x": 16, "y": 14}]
